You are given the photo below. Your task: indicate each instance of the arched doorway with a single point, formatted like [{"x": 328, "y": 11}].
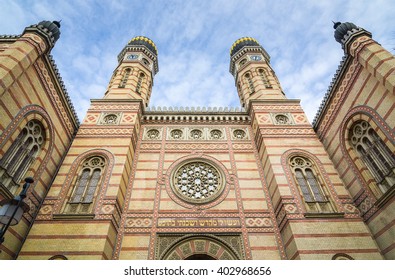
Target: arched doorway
[
  {"x": 202, "y": 247},
  {"x": 199, "y": 257}
]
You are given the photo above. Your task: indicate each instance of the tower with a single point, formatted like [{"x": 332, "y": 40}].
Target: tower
[
  {"x": 90, "y": 189},
  {"x": 256, "y": 182},
  {"x": 305, "y": 189},
  {"x": 254, "y": 77},
  {"x": 134, "y": 76}
]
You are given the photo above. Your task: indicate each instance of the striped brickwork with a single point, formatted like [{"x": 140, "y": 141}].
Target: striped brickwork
[
  {"x": 365, "y": 91},
  {"x": 90, "y": 235},
  {"x": 302, "y": 233},
  {"x": 259, "y": 212},
  {"x": 30, "y": 90},
  {"x": 153, "y": 208}
]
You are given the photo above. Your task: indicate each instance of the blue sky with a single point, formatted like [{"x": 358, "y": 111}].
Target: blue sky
[{"x": 193, "y": 40}]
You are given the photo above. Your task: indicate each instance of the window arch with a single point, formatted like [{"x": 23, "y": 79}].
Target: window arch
[
  {"x": 313, "y": 191},
  {"x": 20, "y": 156},
  {"x": 374, "y": 153},
  {"x": 86, "y": 185},
  {"x": 250, "y": 83},
  {"x": 140, "y": 82},
  {"x": 125, "y": 77},
  {"x": 264, "y": 78},
  {"x": 58, "y": 257},
  {"x": 342, "y": 256}
]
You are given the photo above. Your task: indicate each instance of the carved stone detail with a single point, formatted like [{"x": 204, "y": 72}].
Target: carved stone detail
[
  {"x": 216, "y": 134},
  {"x": 152, "y": 133},
  {"x": 196, "y": 134},
  {"x": 110, "y": 118},
  {"x": 239, "y": 134},
  {"x": 176, "y": 134},
  {"x": 282, "y": 118}
]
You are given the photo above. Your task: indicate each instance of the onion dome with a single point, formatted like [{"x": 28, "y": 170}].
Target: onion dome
[
  {"x": 144, "y": 41},
  {"x": 342, "y": 30},
  {"x": 51, "y": 27},
  {"x": 243, "y": 42}
]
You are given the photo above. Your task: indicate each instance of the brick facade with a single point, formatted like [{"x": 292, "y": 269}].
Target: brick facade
[{"x": 147, "y": 202}]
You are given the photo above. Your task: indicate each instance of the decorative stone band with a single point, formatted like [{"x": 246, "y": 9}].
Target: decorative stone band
[{"x": 193, "y": 109}]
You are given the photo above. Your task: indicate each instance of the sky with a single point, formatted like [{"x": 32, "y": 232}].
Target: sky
[{"x": 193, "y": 40}]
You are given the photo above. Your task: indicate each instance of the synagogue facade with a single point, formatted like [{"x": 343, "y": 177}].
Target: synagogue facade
[{"x": 255, "y": 182}]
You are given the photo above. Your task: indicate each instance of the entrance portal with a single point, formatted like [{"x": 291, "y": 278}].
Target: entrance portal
[
  {"x": 201, "y": 247},
  {"x": 200, "y": 257}
]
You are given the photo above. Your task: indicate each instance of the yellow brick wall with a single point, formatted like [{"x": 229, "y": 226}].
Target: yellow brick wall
[{"x": 369, "y": 88}]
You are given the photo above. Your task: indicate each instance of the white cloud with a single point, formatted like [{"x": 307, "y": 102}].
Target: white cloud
[{"x": 193, "y": 40}]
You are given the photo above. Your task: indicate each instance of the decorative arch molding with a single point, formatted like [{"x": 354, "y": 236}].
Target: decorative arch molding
[
  {"x": 365, "y": 198},
  {"x": 26, "y": 114},
  {"x": 227, "y": 181},
  {"x": 294, "y": 188},
  {"x": 108, "y": 156},
  {"x": 58, "y": 258},
  {"x": 368, "y": 114},
  {"x": 342, "y": 256},
  {"x": 170, "y": 247}
]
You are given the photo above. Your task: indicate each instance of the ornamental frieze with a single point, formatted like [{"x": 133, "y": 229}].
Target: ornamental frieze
[
  {"x": 287, "y": 132},
  {"x": 276, "y": 107},
  {"x": 196, "y": 146},
  {"x": 259, "y": 222},
  {"x": 105, "y": 132},
  {"x": 54, "y": 95},
  {"x": 114, "y": 107},
  {"x": 196, "y": 133}
]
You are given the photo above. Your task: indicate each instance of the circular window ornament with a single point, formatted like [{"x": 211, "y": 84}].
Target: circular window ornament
[
  {"x": 239, "y": 134},
  {"x": 153, "y": 134},
  {"x": 282, "y": 119},
  {"x": 197, "y": 181},
  {"x": 176, "y": 134}
]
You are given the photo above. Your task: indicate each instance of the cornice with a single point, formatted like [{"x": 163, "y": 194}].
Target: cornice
[{"x": 331, "y": 90}]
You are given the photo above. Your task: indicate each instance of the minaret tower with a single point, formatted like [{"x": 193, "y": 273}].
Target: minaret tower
[
  {"x": 99, "y": 162},
  {"x": 286, "y": 143},
  {"x": 134, "y": 76},
  {"x": 254, "y": 77}
]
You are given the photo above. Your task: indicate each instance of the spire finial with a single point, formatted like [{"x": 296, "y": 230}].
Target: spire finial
[
  {"x": 57, "y": 23},
  {"x": 336, "y": 24}
]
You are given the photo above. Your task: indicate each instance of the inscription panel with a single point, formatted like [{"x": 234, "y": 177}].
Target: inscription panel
[{"x": 199, "y": 222}]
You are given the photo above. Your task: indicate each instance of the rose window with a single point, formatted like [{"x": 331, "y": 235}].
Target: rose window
[{"x": 197, "y": 182}]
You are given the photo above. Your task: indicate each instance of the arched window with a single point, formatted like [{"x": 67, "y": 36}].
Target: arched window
[
  {"x": 250, "y": 83},
  {"x": 139, "y": 83},
  {"x": 20, "y": 156},
  {"x": 264, "y": 78},
  {"x": 85, "y": 188},
  {"x": 378, "y": 158},
  {"x": 312, "y": 190},
  {"x": 125, "y": 77}
]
